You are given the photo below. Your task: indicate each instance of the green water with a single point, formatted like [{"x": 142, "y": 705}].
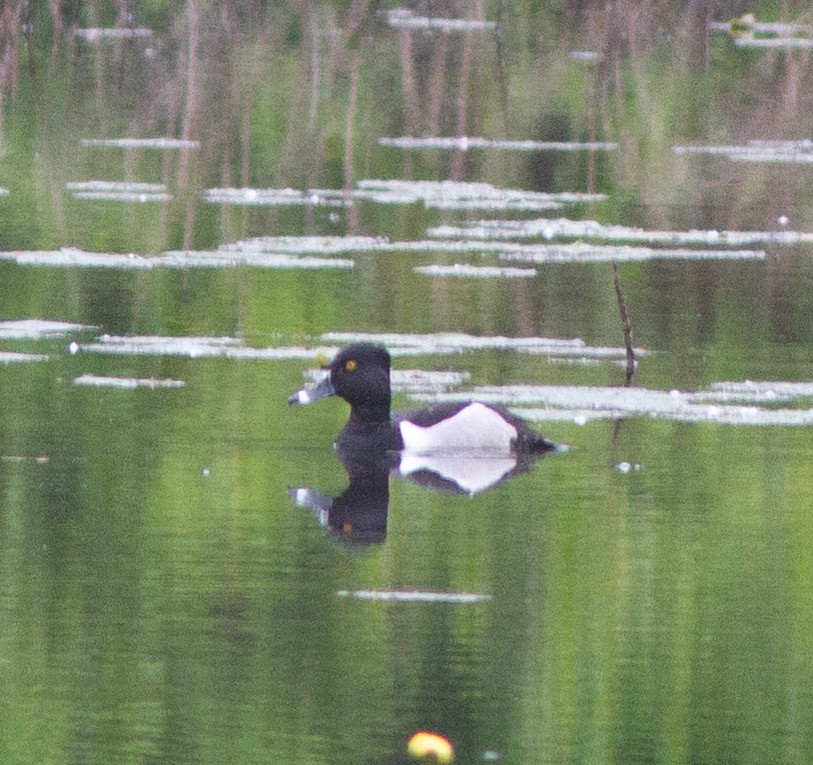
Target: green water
[{"x": 163, "y": 599}]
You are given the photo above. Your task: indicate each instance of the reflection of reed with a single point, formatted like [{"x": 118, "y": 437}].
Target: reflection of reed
[{"x": 10, "y": 20}]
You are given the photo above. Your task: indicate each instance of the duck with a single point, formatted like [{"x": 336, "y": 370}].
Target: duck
[{"x": 360, "y": 374}]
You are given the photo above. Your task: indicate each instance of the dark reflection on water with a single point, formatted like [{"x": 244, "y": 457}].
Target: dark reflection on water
[{"x": 359, "y": 514}]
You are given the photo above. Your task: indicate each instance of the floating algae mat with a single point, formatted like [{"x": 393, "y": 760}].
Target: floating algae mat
[
  {"x": 564, "y": 228},
  {"x": 582, "y": 403},
  {"x": 127, "y": 383},
  {"x": 328, "y": 343},
  {"x": 193, "y": 347},
  {"x": 403, "y": 18},
  {"x": 413, "y": 381},
  {"x": 12, "y": 357},
  {"x": 161, "y": 144},
  {"x": 465, "y": 143},
  {"x": 454, "y": 195},
  {"x": 581, "y": 252},
  {"x": 302, "y": 245},
  {"x": 787, "y": 152},
  {"x": 444, "y": 343},
  {"x": 118, "y": 191},
  {"x": 38, "y": 329},
  {"x": 476, "y": 272},
  {"x": 415, "y": 596},
  {"x": 230, "y": 258},
  {"x": 69, "y": 257},
  {"x": 576, "y": 252},
  {"x": 443, "y": 195}
]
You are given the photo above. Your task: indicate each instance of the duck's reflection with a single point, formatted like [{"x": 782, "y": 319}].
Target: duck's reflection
[{"x": 358, "y": 515}]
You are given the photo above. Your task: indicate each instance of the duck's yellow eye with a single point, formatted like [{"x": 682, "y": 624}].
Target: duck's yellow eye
[{"x": 350, "y": 366}]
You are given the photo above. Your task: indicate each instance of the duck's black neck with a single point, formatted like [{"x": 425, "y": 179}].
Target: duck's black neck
[{"x": 363, "y": 416}]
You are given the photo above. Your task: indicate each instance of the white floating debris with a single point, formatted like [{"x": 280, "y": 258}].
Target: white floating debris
[
  {"x": 195, "y": 347},
  {"x": 159, "y": 345},
  {"x": 747, "y": 23},
  {"x": 231, "y": 258},
  {"x": 580, "y": 403},
  {"x": 121, "y": 196},
  {"x": 138, "y": 188},
  {"x": 37, "y": 329},
  {"x": 73, "y": 258},
  {"x": 413, "y": 380},
  {"x": 445, "y": 195},
  {"x": 476, "y": 272},
  {"x": 300, "y": 245},
  {"x": 141, "y": 143},
  {"x": 119, "y": 191},
  {"x": 455, "y": 342},
  {"x": 127, "y": 383},
  {"x": 10, "y": 357},
  {"x": 70, "y": 257},
  {"x": 773, "y": 42},
  {"x": 787, "y": 152},
  {"x": 4, "y": 192},
  {"x": 585, "y": 55},
  {"x": 94, "y": 34},
  {"x": 245, "y": 196},
  {"x": 415, "y": 596},
  {"x": 403, "y": 18},
  {"x": 464, "y": 143},
  {"x": 564, "y": 228},
  {"x": 581, "y": 252},
  {"x": 454, "y": 195}
]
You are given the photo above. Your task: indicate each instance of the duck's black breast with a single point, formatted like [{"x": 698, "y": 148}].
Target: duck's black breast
[{"x": 362, "y": 435}]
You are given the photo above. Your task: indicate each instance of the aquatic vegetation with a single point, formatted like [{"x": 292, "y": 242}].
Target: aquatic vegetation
[
  {"x": 442, "y": 195},
  {"x": 38, "y": 329},
  {"x": 141, "y": 143},
  {"x": 465, "y": 143},
  {"x": 300, "y": 245},
  {"x": 231, "y": 258},
  {"x": 788, "y": 152},
  {"x": 193, "y": 347},
  {"x": 454, "y": 195},
  {"x": 12, "y": 357},
  {"x": 404, "y": 18},
  {"x": 442, "y": 343},
  {"x": 581, "y": 252},
  {"x": 97, "y": 34},
  {"x": 477, "y": 272},
  {"x": 582, "y": 403},
  {"x": 564, "y": 228},
  {"x": 585, "y": 55},
  {"x": 119, "y": 191},
  {"x": 415, "y": 596},
  {"x": 73, "y": 258},
  {"x": 126, "y": 383},
  {"x": 267, "y": 197},
  {"x": 413, "y": 380}
]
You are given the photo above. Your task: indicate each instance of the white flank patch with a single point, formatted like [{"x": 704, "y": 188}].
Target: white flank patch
[{"x": 474, "y": 428}]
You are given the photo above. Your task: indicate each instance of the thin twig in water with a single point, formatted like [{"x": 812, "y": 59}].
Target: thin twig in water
[{"x": 626, "y": 327}]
